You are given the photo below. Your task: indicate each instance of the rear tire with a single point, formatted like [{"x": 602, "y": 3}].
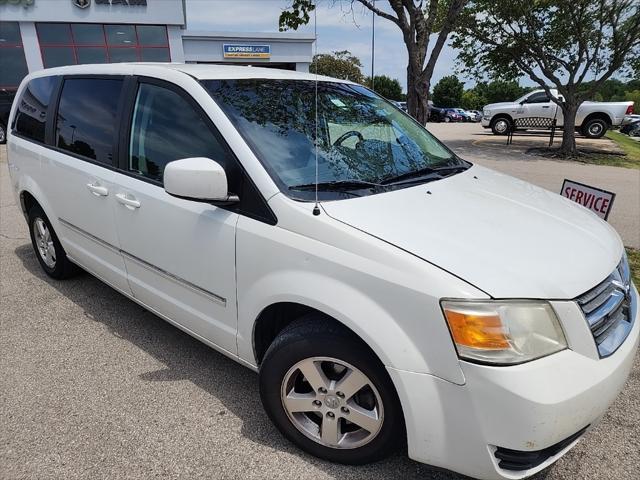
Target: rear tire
[
  {"x": 314, "y": 344},
  {"x": 501, "y": 125},
  {"x": 47, "y": 247},
  {"x": 3, "y": 134},
  {"x": 595, "y": 128}
]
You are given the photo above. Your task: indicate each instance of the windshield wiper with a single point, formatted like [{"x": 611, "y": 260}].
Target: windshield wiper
[
  {"x": 336, "y": 186},
  {"x": 413, "y": 176}
]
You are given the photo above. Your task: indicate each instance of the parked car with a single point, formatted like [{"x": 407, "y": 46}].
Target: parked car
[
  {"x": 444, "y": 115},
  {"x": 466, "y": 116},
  {"x": 592, "y": 120},
  {"x": 634, "y": 117},
  {"x": 6, "y": 99},
  {"x": 476, "y": 115},
  {"x": 383, "y": 288},
  {"x": 631, "y": 129}
]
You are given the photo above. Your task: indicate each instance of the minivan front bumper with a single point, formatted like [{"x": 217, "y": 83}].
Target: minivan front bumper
[{"x": 540, "y": 407}]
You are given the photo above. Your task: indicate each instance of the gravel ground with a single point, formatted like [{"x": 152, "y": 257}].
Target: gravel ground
[{"x": 95, "y": 387}]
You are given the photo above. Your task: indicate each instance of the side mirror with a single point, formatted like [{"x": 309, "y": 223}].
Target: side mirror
[{"x": 200, "y": 179}]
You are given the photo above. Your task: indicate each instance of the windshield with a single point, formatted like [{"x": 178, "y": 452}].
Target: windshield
[{"x": 363, "y": 140}]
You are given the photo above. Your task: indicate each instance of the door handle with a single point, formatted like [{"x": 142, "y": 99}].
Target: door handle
[
  {"x": 97, "y": 189},
  {"x": 128, "y": 201},
  {"x": 545, "y": 106}
]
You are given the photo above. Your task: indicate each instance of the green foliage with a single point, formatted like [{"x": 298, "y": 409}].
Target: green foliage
[
  {"x": 471, "y": 100},
  {"x": 448, "y": 92},
  {"x": 338, "y": 65},
  {"x": 556, "y": 43},
  {"x": 634, "y": 96},
  {"x": 500, "y": 91},
  {"x": 386, "y": 86},
  {"x": 297, "y": 15}
]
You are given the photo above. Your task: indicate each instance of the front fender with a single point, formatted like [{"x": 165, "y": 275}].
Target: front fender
[{"x": 389, "y": 298}]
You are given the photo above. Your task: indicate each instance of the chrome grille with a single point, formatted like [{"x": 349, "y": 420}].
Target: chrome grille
[{"x": 609, "y": 309}]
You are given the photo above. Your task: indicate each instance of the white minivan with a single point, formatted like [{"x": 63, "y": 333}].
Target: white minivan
[{"x": 388, "y": 292}]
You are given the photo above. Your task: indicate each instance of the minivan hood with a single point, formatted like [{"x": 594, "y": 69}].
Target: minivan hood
[{"x": 505, "y": 236}]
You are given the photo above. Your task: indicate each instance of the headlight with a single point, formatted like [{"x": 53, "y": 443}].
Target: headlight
[{"x": 503, "y": 332}]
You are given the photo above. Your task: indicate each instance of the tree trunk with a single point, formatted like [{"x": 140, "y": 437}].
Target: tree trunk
[
  {"x": 417, "y": 96},
  {"x": 568, "y": 147}
]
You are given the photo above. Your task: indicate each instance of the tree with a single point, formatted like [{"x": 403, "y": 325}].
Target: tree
[
  {"x": 500, "y": 91},
  {"x": 338, "y": 65},
  {"x": 386, "y": 86},
  {"x": 556, "y": 43},
  {"x": 448, "y": 92},
  {"x": 417, "y": 20},
  {"x": 634, "y": 96},
  {"x": 471, "y": 100}
]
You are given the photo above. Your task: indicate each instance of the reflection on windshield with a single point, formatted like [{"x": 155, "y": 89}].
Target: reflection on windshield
[{"x": 361, "y": 137}]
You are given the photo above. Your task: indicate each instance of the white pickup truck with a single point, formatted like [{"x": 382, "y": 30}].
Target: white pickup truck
[{"x": 592, "y": 120}]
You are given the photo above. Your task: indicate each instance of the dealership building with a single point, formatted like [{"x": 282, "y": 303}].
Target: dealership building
[{"x": 36, "y": 34}]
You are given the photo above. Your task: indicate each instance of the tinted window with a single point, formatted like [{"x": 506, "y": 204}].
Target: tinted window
[
  {"x": 54, "y": 33},
  {"x": 13, "y": 66},
  {"x": 540, "y": 97},
  {"x": 152, "y": 35},
  {"x": 165, "y": 128},
  {"x": 31, "y": 115},
  {"x": 87, "y": 34},
  {"x": 57, "y": 56},
  {"x": 121, "y": 35},
  {"x": 86, "y": 123},
  {"x": 155, "y": 55}
]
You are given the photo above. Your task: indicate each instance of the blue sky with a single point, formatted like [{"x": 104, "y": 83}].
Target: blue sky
[{"x": 339, "y": 28}]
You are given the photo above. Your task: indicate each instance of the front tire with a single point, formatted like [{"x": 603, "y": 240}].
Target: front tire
[
  {"x": 501, "y": 126},
  {"x": 329, "y": 394},
  {"x": 47, "y": 247},
  {"x": 595, "y": 128},
  {"x": 3, "y": 134}
]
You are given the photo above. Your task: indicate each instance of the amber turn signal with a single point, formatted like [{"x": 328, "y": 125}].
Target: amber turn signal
[{"x": 477, "y": 331}]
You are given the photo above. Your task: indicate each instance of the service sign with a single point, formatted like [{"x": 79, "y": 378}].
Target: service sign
[
  {"x": 595, "y": 199},
  {"x": 246, "y": 51}
]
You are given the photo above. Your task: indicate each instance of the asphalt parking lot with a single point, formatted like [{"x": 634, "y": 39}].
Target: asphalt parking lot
[{"x": 93, "y": 386}]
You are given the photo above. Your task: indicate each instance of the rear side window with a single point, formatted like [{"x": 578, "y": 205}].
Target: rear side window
[
  {"x": 87, "y": 117},
  {"x": 165, "y": 128},
  {"x": 31, "y": 115}
]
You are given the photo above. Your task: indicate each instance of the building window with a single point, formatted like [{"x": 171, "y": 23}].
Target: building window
[
  {"x": 13, "y": 65},
  {"x": 77, "y": 43}
]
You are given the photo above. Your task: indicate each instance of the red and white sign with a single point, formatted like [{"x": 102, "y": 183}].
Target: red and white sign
[{"x": 595, "y": 199}]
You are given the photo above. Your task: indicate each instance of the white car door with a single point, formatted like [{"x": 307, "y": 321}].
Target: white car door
[
  {"x": 79, "y": 173},
  {"x": 537, "y": 105},
  {"x": 179, "y": 254}
]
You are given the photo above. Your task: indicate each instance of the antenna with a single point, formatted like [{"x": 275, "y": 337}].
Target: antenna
[{"x": 316, "y": 208}]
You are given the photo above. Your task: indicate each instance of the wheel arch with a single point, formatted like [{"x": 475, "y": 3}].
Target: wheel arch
[
  {"x": 29, "y": 195},
  {"x": 270, "y": 303},
  {"x": 274, "y": 318},
  {"x": 498, "y": 116},
  {"x": 600, "y": 115}
]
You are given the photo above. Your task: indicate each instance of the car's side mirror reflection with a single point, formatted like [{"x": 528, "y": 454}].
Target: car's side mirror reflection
[{"x": 198, "y": 178}]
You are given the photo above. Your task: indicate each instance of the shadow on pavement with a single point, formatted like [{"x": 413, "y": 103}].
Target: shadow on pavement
[{"x": 185, "y": 358}]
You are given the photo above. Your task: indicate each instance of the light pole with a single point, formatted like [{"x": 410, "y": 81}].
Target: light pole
[{"x": 373, "y": 45}]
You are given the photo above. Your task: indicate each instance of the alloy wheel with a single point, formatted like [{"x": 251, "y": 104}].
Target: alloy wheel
[
  {"x": 44, "y": 242},
  {"x": 332, "y": 402},
  {"x": 595, "y": 129},
  {"x": 501, "y": 126}
]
